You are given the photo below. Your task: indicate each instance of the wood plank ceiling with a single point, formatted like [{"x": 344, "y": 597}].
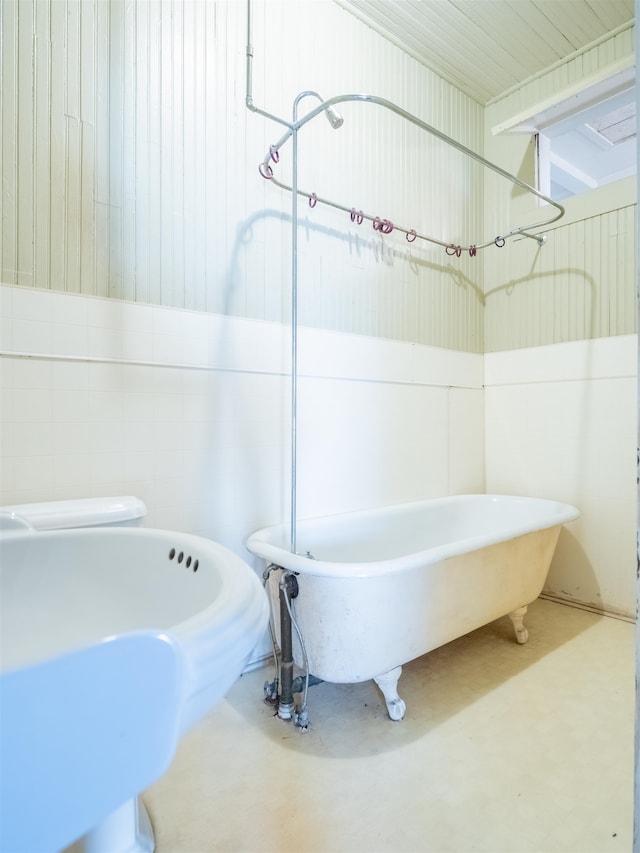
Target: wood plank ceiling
[{"x": 487, "y": 47}]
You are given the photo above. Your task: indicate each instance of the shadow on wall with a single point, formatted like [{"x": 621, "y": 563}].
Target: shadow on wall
[
  {"x": 526, "y": 170},
  {"x": 378, "y": 250},
  {"x": 532, "y": 278},
  {"x": 571, "y": 277},
  {"x": 571, "y": 575},
  {"x": 250, "y": 417}
]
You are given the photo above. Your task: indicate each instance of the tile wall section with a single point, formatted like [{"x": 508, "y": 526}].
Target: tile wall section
[
  {"x": 190, "y": 412},
  {"x": 561, "y": 423}
]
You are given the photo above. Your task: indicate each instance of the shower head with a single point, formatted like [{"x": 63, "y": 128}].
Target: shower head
[{"x": 334, "y": 118}]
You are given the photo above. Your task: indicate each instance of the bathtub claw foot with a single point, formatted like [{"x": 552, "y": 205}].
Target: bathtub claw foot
[
  {"x": 522, "y": 635},
  {"x": 388, "y": 683}
]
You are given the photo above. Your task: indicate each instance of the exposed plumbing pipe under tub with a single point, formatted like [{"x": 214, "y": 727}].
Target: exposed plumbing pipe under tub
[{"x": 287, "y": 588}]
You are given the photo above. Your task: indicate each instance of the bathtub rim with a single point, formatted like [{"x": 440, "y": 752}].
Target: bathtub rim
[{"x": 558, "y": 513}]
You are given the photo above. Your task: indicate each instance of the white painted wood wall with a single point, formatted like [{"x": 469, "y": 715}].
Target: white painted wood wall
[{"x": 129, "y": 166}]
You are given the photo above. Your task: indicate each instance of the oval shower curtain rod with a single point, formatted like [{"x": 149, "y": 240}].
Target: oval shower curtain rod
[{"x": 385, "y": 226}]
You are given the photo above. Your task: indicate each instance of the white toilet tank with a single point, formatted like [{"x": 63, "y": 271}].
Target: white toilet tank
[{"x": 83, "y": 512}]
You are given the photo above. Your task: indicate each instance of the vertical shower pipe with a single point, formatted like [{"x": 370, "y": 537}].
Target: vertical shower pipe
[
  {"x": 294, "y": 316},
  {"x": 286, "y": 703},
  {"x": 335, "y": 120},
  {"x": 294, "y": 330},
  {"x": 294, "y": 263}
]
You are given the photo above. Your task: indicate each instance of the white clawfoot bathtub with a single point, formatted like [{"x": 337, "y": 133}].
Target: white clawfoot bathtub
[
  {"x": 382, "y": 587},
  {"x": 113, "y": 643}
]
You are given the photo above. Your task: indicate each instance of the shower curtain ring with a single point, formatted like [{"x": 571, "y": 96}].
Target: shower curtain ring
[
  {"x": 450, "y": 249},
  {"x": 377, "y": 224},
  {"x": 274, "y": 153},
  {"x": 411, "y": 236},
  {"x": 266, "y": 171},
  {"x": 313, "y": 200},
  {"x": 360, "y": 217},
  {"x": 386, "y": 226},
  {"x": 472, "y": 251},
  {"x": 499, "y": 241}
]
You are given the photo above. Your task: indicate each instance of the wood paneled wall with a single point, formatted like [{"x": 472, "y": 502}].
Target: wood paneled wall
[
  {"x": 129, "y": 166},
  {"x": 581, "y": 284}
]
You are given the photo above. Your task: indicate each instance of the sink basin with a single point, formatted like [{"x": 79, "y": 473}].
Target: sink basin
[{"x": 113, "y": 642}]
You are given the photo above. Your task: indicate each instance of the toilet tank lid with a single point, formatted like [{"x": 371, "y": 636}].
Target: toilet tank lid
[{"x": 82, "y": 512}]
